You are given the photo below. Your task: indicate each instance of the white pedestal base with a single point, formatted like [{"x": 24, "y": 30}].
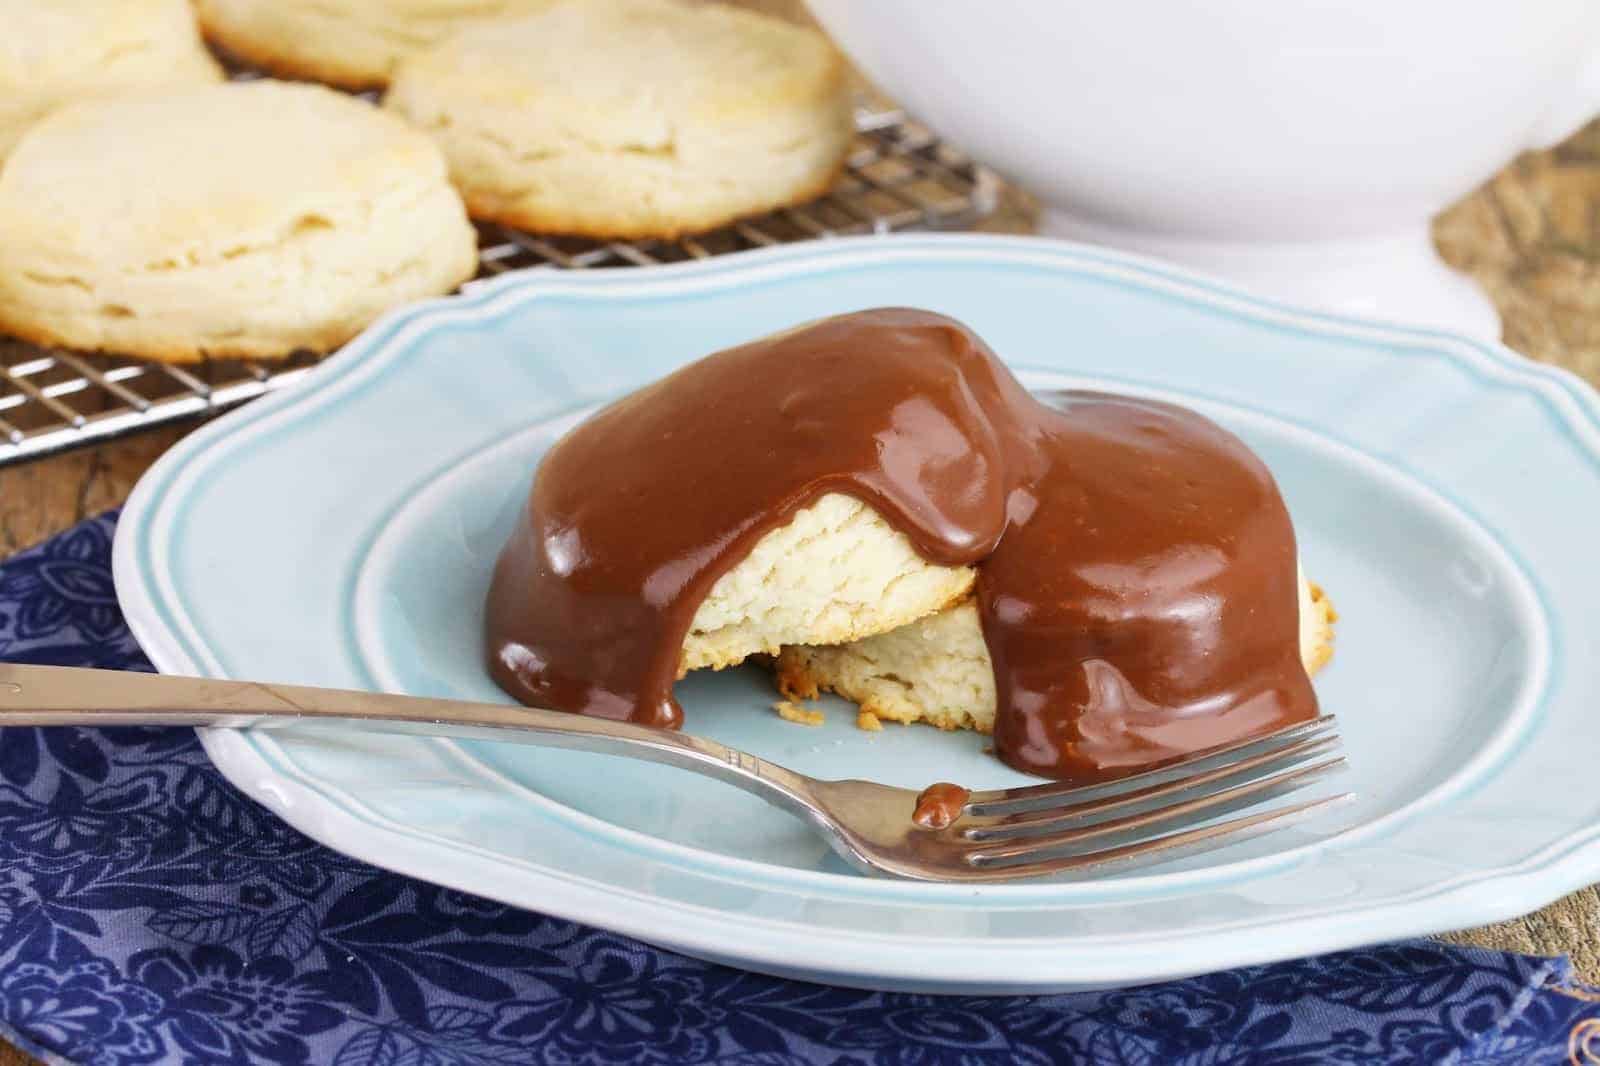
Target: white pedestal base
[{"x": 1395, "y": 277}]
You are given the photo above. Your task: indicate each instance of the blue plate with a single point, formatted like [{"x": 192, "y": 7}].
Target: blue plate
[{"x": 1445, "y": 493}]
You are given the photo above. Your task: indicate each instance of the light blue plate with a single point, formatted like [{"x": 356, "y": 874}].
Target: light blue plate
[{"x": 1446, "y": 493}]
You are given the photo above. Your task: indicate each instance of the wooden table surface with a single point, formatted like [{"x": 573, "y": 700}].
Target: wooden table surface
[{"x": 1530, "y": 237}]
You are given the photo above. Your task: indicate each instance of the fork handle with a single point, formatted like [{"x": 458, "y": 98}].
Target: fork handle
[{"x": 58, "y": 695}]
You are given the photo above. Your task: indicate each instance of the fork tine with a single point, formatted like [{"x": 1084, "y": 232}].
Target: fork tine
[
  {"x": 1198, "y": 808},
  {"x": 1033, "y": 797},
  {"x": 1171, "y": 846},
  {"x": 1255, "y": 766}
]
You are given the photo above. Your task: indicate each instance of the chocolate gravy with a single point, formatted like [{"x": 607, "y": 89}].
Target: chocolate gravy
[
  {"x": 1137, "y": 578},
  {"x": 939, "y": 804}
]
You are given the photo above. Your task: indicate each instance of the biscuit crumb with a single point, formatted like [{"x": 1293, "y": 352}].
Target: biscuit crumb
[
  {"x": 794, "y": 683},
  {"x": 1321, "y": 597},
  {"x": 1320, "y": 655},
  {"x": 869, "y": 721},
  {"x": 793, "y": 712}
]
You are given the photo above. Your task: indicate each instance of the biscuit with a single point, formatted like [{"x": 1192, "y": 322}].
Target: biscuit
[
  {"x": 53, "y": 52},
  {"x": 353, "y": 44},
  {"x": 937, "y": 670},
  {"x": 629, "y": 119},
  {"x": 243, "y": 219},
  {"x": 836, "y": 572}
]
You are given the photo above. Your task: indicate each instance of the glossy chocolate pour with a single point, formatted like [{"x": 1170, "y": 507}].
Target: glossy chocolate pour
[{"x": 1137, "y": 578}]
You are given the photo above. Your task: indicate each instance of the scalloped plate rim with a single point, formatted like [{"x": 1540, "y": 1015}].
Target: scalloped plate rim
[{"x": 1565, "y": 863}]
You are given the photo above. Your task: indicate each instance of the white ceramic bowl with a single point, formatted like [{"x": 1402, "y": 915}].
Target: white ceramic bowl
[{"x": 1299, "y": 147}]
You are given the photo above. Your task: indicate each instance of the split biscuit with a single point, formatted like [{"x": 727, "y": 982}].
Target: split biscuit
[
  {"x": 937, "y": 670},
  {"x": 836, "y": 572}
]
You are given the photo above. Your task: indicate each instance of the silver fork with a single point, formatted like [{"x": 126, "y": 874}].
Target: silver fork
[{"x": 1001, "y": 835}]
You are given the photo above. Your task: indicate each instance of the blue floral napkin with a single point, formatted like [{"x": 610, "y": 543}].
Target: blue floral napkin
[{"x": 150, "y": 913}]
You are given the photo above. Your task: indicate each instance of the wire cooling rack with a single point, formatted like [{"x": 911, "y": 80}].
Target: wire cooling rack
[{"x": 900, "y": 177}]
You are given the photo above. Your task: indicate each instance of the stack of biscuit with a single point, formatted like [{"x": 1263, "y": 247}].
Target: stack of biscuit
[
  {"x": 151, "y": 210},
  {"x": 937, "y": 669}
]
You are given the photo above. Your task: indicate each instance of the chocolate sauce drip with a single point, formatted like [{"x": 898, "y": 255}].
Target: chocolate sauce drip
[
  {"x": 1137, "y": 577},
  {"x": 939, "y": 805}
]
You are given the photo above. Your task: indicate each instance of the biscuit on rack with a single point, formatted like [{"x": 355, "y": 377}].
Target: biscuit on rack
[
  {"x": 631, "y": 119},
  {"x": 53, "y": 52},
  {"x": 937, "y": 669},
  {"x": 353, "y": 44},
  {"x": 243, "y": 219}
]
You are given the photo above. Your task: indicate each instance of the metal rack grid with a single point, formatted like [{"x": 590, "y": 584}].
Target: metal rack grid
[{"x": 899, "y": 177}]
